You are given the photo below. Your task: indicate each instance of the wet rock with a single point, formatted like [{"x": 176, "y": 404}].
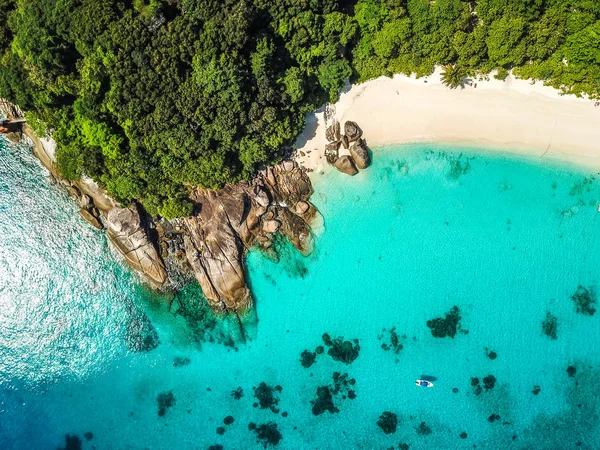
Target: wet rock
[
  {"x": 268, "y": 434},
  {"x": 340, "y": 350},
  {"x": 388, "y": 422},
  {"x": 352, "y": 131},
  {"x": 165, "y": 401},
  {"x": 345, "y": 164},
  {"x": 267, "y": 396},
  {"x": 180, "y": 362},
  {"x": 307, "y": 358},
  {"x": 332, "y": 152},
  {"x": 128, "y": 234},
  {"x": 585, "y": 300},
  {"x": 423, "y": 429},
  {"x": 228, "y": 420},
  {"x": 571, "y": 371},
  {"x": 72, "y": 442},
  {"x": 536, "y": 390},
  {"x": 332, "y": 133},
  {"x": 90, "y": 218},
  {"x": 359, "y": 153},
  {"x": 238, "y": 393},
  {"x": 550, "y": 326},
  {"x": 447, "y": 326}
]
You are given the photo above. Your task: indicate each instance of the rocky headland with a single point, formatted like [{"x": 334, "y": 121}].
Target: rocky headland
[{"x": 212, "y": 244}]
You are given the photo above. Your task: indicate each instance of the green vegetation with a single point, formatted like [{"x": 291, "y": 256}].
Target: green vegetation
[{"x": 150, "y": 97}]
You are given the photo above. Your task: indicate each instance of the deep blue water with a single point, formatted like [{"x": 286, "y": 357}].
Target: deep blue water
[{"x": 85, "y": 347}]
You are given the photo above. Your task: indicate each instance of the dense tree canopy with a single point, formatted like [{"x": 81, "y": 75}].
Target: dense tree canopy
[{"x": 149, "y": 97}]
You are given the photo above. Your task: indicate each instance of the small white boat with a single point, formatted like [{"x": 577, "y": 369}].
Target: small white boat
[{"x": 424, "y": 383}]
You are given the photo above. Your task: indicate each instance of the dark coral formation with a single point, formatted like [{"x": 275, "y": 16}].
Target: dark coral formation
[
  {"x": 267, "y": 396},
  {"x": 216, "y": 447},
  {"x": 228, "y": 420},
  {"x": 571, "y": 371},
  {"x": 220, "y": 430},
  {"x": 585, "y": 300},
  {"x": 463, "y": 435},
  {"x": 140, "y": 335},
  {"x": 423, "y": 429},
  {"x": 393, "y": 343},
  {"x": 388, "y": 422},
  {"x": 180, "y": 362},
  {"x": 536, "y": 390},
  {"x": 325, "y": 396},
  {"x": 165, "y": 401},
  {"x": 488, "y": 384},
  {"x": 307, "y": 358},
  {"x": 88, "y": 435},
  {"x": 237, "y": 393},
  {"x": 341, "y": 350},
  {"x": 550, "y": 325},
  {"x": 491, "y": 354},
  {"x": 493, "y": 418},
  {"x": 319, "y": 350},
  {"x": 266, "y": 434},
  {"x": 446, "y": 326},
  {"x": 72, "y": 442}
]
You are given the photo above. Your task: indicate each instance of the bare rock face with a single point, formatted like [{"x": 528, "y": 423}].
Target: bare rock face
[
  {"x": 352, "y": 130},
  {"x": 127, "y": 233},
  {"x": 332, "y": 152},
  {"x": 360, "y": 154},
  {"x": 239, "y": 216},
  {"x": 345, "y": 141},
  {"x": 332, "y": 133},
  {"x": 346, "y": 165}
]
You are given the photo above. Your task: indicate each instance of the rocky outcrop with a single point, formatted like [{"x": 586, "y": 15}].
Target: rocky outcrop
[
  {"x": 128, "y": 234},
  {"x": 359, "y": 154},
  {"x": 346, "y": 165},
  {"x": 352, "y": 131},
  {"x": 332, "y": 152},
  {"x": 229, "y": 221},
  {"x": 332, "y": 133}
]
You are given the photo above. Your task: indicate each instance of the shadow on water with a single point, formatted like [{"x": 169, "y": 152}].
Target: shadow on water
[{"x": 428, "y": 378}]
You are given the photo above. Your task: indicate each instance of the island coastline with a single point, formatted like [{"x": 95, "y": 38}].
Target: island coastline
[{"x": 514, "y": 116}]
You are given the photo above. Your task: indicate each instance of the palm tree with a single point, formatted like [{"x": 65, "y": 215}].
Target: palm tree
[{"x": 454, "y": 76}]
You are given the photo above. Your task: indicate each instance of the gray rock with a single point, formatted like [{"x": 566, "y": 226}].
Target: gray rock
[
  {"x": 128, "y": 235},
  {"x": 332, "y": 133},
  {"x": 346, "y": 165},
  {"x": 302, "y": 207},
  {"x": 271, "y": 226},
  {"x": 332, "y": 152},
  {"x": 91, "y": 218},
  {"x": 345, "y": 141},
  {"x": 360, "y": 154}
]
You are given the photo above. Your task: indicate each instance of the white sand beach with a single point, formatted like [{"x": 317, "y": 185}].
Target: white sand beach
[{"x": 512, "y": 115}]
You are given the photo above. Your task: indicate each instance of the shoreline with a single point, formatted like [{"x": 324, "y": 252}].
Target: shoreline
[{"x": 513, "y": 116}]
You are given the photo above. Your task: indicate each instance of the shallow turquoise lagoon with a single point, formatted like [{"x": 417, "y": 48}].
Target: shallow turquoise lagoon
[{"x": 85, "y": 348}]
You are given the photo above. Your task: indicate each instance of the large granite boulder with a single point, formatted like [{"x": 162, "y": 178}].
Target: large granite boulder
[
  {"x": 360, "y": 155},
  {"x": 352, "y": 130},
  {"x": 332, "y": 133},
  {"x": 239, "y": 216},
  {"x": 127, "y": 233},
  {"x": 332, "y": 152},
  {"x": 346, "y": 165}
]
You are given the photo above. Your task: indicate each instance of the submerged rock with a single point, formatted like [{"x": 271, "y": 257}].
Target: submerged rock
[
  {"x": 165, "y": 401},
  {"x": 571, "y": 371},
  {"x": 423, "y": 429},
  {"x": 228, "y": 420},
  {"x": 332, "y": 133},
  {"x": 550, "y": 326},
  {"x": 585, "y": 300},
  {"x": 72, "y": 442},
  {"x": 267, "y": 434},
  {"x": 323, "y": 402},
  {"x": 447, "y": 326},
  {"x": 238, "y": 393},
  {"x": 88, "y": 435},
  {"x": 345, "y": 164},
  {"x": 332, "y": 152},
  {"x": 388, "y": 422},
  {"x": 180, "y": 362},
  {"x": 327, "y": 395},
  {"x": 536, "y": 390}
]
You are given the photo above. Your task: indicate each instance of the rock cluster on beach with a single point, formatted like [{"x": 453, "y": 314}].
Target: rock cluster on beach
[{"x": 351, "y": 140}]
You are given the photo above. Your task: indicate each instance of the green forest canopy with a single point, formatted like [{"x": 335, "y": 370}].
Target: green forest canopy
[{"x": 148, "y": 97}]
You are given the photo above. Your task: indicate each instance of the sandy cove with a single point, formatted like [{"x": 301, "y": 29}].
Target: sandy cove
[{"x": 512, "y": 115}]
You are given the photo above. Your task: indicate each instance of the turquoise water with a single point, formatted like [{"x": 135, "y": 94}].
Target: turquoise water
[{"x": 84, "y": 347}]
